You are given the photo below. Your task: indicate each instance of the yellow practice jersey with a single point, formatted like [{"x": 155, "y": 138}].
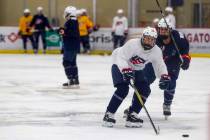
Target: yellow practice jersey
[
  {"x": 24, "y": 25},
  {"x": 84, "y": 25}
]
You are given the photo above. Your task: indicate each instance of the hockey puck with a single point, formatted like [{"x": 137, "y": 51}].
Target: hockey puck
[{"x": 185, "y": 135}]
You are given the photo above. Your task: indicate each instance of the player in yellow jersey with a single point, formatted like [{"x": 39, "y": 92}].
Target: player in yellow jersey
[
  {"x": 85, "y": 28},
  {"x": 25, "y": 31}
]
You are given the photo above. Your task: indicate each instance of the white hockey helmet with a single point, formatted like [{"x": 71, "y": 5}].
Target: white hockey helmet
[
  {"x": 70, "y": 11},
  {"x": 162, "y": 23},
  {"x": 83, "y": 10},
  {"x": 155, "y": 20},
  {"x": 146, "y": 43},
  {"x": 120, "y": 11},
  {"x": 149, "y": 31},
  {"x": 169, "y": 9},
  {"x": 26, "y": 11},
  {"x": 79, "y": 12},
  {"x": 39, "y": 9}
]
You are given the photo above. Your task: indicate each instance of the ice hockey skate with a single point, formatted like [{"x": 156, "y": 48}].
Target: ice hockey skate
[
  {"x": 108, "y": 120},
  {"x": 166, "y": 111},
  {"x": 71, "y": 84},
  {"x": 133, "y": 121}
]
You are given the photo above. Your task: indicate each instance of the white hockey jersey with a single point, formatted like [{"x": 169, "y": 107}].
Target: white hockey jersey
[
  {"x": 123, "y": 56},
  {"x": 171, "y": 18},
  {"x": 120, "y": 25}
]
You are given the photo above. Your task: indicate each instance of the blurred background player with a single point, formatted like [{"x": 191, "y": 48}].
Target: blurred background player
[
  {"x": 71, "y": 44},
  {"x": 155, "y": 23},
  {"x": 85, "y": 28},
  {"x": 129, "y": 62},
  {"x": 119, "y": 29},
  {"x": 172, "y": 59},
  {"x": 25, "y": 29},
  {"x": 40, "y": 22},
  {"x": 170, "y": 17}
]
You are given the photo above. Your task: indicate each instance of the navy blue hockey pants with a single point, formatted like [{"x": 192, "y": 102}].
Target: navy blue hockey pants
[
  {"x": 118, "y": 40},
  {"x": 122, "y": 89},
  {"x": 36, "y": 36},
  {"x": 70, "y": 65}
]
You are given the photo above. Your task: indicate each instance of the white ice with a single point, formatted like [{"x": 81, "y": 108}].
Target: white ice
[{"x": 33, "y": 105}]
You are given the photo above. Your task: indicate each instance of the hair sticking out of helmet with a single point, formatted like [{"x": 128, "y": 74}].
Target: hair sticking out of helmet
[
  {"x": 149, "y": 37},
  {"x": 162, "y": 23},
  {"x": 70, "y": 12}
]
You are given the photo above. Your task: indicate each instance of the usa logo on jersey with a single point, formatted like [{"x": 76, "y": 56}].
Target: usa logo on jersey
[{"x": 136, "y": 60}]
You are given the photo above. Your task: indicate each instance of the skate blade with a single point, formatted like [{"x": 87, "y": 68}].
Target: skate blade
[
  {"x": 133, "y": 125},
  {"x": 71, "y": 87},
  {"x": 107, "y": 124}
]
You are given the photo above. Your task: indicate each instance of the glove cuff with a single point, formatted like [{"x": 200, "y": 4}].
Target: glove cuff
[
  {"x": 127, "y": 70},
  {"x": 186, "y": 56},
  {"x": 165, "y": 76}
]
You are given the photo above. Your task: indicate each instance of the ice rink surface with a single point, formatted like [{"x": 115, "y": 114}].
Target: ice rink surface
[{"x": 33, "y": 105}]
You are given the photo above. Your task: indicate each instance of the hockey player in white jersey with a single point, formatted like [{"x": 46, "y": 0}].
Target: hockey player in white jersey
[
  {"x": 170, "y": 17},
  {"x": 129, "y": 62},
  {"x": 119, "y": 29}
]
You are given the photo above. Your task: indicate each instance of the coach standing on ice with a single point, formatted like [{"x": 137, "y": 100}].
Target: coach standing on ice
[
  {"x": 71, "y": 44},
  {"x": 40, "y": 22},
  {"x": 25, "y": 30},
  {"x": 170, "y": 17},
  {"x": 119, "y": 29}
]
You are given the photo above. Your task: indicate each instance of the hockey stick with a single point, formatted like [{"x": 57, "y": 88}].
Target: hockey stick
[
  {"x": 172, "y": 37},
  {"x": 157, "y": 131}
]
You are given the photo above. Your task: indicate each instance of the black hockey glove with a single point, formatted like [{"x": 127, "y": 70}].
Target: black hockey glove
[
  {"x": 61, "y": 31},
  {"x": 90, "y": 30},
  {"x": 127, "y": 74},
  {"x": 186, "y": 62},
  {"x": 27, "y": 30},
  {"x": 96, "y": 27},
  {"x": 19, "y": 33},
  {"x": 164, "y": 81},
  {"x": 125, "y": 34},
  {"x": 113, "y": 34}
]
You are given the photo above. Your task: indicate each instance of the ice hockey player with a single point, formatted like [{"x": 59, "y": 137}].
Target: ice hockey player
[
  {"x": 129, "y": 62},
  {"x": 25, "y": 31},
  {"x": 172, "y": 58},
  {"x": 85, "y": 28},
  {"x": 170, "y": 17},
  {"x": 155, "y": 23},
  {"x": 119, "y": 29},
  {"x": 40, "y": 22},
  {"x": 71, "y": 44}
]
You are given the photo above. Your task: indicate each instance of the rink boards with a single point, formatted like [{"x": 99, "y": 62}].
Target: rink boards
[{"x": 101, "y": 41}]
